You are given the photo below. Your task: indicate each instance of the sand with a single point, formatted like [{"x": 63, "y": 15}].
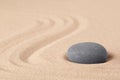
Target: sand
[{"x": 36, "y": 34}]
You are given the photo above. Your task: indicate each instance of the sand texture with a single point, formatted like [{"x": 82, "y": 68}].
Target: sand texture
[{"x": 36, "y": 34}]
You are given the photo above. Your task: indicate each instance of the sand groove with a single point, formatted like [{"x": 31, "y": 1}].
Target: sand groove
[
  {"x": 41, "y": 41},
  {"x": 20, "y": 49}
]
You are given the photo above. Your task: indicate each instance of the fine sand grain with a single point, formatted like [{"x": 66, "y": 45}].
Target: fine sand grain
[{"x": 36, "y": 34}]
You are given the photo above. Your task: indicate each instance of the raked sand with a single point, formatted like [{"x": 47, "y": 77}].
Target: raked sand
[{"x": 36, "y": 34}]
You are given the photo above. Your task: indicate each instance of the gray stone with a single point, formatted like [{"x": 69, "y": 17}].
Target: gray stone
[{"x": 87, "y": 53}]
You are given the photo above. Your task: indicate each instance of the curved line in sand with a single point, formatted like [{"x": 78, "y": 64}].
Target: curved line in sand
[
  {"x": 39, "y": 41},
  {"x": 25, "y": 48},
  {"x": 11, "y": 43},
  {"x": 51, "y": 36},
  {"x": 51, "y": 39}
]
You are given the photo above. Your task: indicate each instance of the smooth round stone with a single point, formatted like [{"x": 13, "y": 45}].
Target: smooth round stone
[{"x": 87, "y": 53}]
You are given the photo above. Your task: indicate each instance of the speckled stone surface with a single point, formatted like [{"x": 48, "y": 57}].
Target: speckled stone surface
[{"x": 87, "y": 53}]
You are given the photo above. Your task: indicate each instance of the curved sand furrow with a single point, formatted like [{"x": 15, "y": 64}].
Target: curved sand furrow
[
  {"x": 11, "y": 43},
  {"x": 44, "y": 40},
  {"x": 26, "y": 50},
  {"x": 28, "y": 42}
]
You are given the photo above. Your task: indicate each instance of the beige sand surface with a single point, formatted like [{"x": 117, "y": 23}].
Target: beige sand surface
[{"x": 35, "y": 36}]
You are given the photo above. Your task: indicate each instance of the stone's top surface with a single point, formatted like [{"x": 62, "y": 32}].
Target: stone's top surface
[{"x": 87, "y": 53}]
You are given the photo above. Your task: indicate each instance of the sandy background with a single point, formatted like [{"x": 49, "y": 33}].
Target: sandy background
[{"x": 35, "y": 36}]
